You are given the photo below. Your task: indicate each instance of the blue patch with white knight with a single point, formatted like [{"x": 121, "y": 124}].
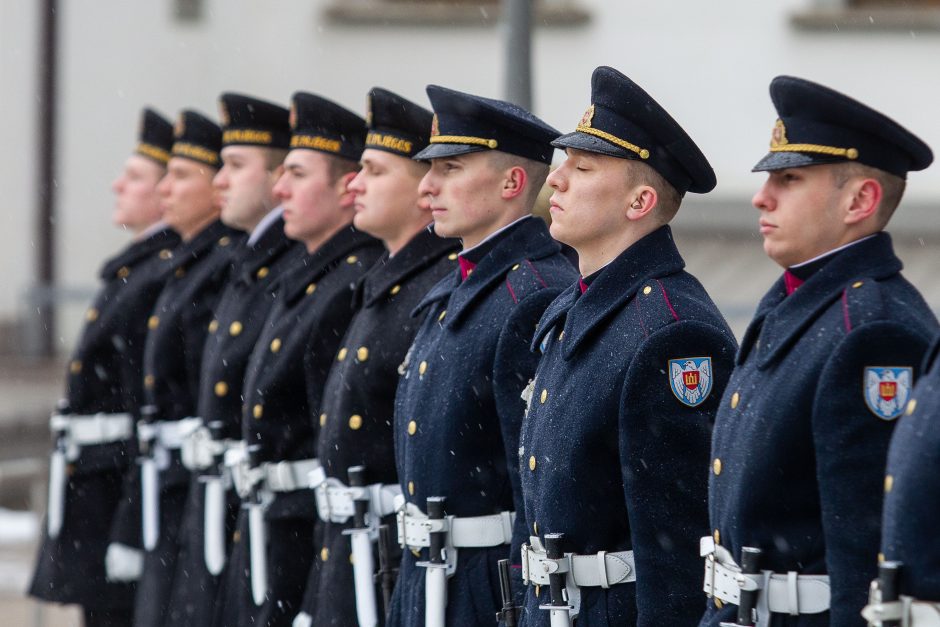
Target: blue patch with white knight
[
  {"x": 887, "y": 389},
  {"x": 691, "y": 379}
]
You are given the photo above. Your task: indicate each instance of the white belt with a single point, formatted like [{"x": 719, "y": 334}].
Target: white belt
[
  {"x": 602, "y": 569},
  {"x": 336, "y": 502},
  {"x": 88, "y": 430},
  {"x": 908, "y": 611},
  {"x": 789, "y": 593},
  {"x": 169, "y": 434},
  {"x": 287, "y": 476},
  {"x": 414, "y": 528}
]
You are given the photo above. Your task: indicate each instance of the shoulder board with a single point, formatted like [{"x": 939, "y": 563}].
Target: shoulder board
[
  {"x": 862, "y": 302},
  {"x": 653, "y": 306}
]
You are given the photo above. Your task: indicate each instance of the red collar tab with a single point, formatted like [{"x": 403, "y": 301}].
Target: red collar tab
[
  {"x": 466, "y": 267},
  {"x": 791, "y": 281}
]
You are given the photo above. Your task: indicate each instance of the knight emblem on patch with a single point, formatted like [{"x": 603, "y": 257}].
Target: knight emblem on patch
[
  {"x": 887, "y": 390},
  {"x": 691, "y": 379}
]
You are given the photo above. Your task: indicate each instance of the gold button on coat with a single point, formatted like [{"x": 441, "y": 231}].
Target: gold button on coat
[
  {"x": 341, "y": 355},
  {"x": 412, "y": 427},
  {"x": 91, "y": 315},
  {"x": 75, "y": 367},
  {"x": 395, "y": 289},
  {"x": 440, "y": 318},
  {"x": 362, "y": 354},
  {"x": 857, "y": 284},
  {"x": 235, "y": 328},
  {"x": 262, "y": 272},
  {"x": 275, "y": 345},
  {"x": 257, "y": 411},
  {"x": 324, "y": 554},
  {"x": 311, "y": 289},
  {"x": 221, "y": 388},
  {"x": 149, "y": 381},
  {"x": 225, "y": 240},
  {"x": 717, "y": 537},
  {"x": 911, "y": 406},
  {"x": 647, "y": 290},
  {"x": 213, "y": 326},
  {"x": 322, "y": 419},
  {"x": 535, "y": 528},
  {"x": 123, "y": 272},
  {"x": 515, "y": 267},
  {"x": 531, "y": 462},
  {"x": 352, "y": 259},
  {"x": 152, "y": 322},
  {"x": 452, "y": 256},
  {"x": 165, "y": 254},
  {"x": 735, "y": 399},
  {"x": 544, "y": 396},
  {"x": 716, "y": 466},
  {"x": 355, "y": 421},
  {"x": 411, "y": 488},
  {"x": 422, "y": 367},
  {"x": 889, "y": 483}
]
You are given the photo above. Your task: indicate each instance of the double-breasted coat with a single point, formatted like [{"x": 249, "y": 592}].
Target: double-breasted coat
[
  {"x": 105, "y": 374},
  {"x": 801, "y": 437},
  {"x": 237, "y": 322},
  {"x": 283, "y": 381},
  {"x": 363, "y": 383},
  {"x": 172, "y": 357},
  {"x": 613, "y": 448},
  {"x": 459, "y": 408}
]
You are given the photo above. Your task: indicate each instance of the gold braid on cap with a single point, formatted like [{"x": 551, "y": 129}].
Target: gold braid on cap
[
  {"x": 590, "y": 130},
  {"x": 463, "y": 139},
  {"x": 780, "y": 143}
]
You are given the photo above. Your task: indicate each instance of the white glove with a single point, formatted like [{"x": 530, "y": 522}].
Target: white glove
[
  {"x": 302, "y": 620},
  {"x": 123, "y": 563}
]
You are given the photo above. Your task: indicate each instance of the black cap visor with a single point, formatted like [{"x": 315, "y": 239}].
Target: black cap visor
[
  {"x": 784, "y": 160},
  {"x": 441, "y": 151},
  {"x": 590, "y": 143}
]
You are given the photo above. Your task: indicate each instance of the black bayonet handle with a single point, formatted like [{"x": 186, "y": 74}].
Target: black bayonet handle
[
  {"x": 386, "y": 574},
  {"x": 357, "y": 479},
  {"x": 750, "y": 565},
  {"x": 509, "y": 615},
  {"x": 889, "y": 574},
  {"x": 437, "y": 538},
  {"x": 554, "y": 550}
]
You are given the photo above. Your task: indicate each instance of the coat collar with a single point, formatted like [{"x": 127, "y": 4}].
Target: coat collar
[
  {"x": 322, "y": 260},
  {"x": 207, "y": 240},
  {"x": 780, "y": 320},
  {"x": 271, "y": 245},
  {"x": 653, "y": 256},
  {"x": 140, "y": 251},
  {"x": 424, "y": 250},
  {"x": 527, "y": 239}
]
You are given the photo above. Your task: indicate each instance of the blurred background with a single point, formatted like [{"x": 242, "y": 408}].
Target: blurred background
[{"x": 75, "y": 74}]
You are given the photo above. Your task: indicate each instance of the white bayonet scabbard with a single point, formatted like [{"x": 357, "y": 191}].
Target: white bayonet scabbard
[
  {"x": 363, "y": 573},
  {"x": 435, "y": 595},
  {"x": 55, "y": 511},
  {"x": 258, "y": 540},
  {"x": 214, "y": 525},
  {"x": 150, "y": 502}
]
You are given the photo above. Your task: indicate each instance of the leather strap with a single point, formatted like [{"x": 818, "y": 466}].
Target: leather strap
[
  {"x": 414, "y": 529},
  {"x": 603, "y": 569}
]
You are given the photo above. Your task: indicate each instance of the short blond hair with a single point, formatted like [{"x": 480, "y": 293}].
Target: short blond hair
[
  {"x": 892, "y": 186},
  {"x": 669, "y": 198},
  {"x": 536, "y": 172}
]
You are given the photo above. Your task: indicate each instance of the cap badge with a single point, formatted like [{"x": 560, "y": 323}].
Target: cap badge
[
  {"x": 223, "y": 114},
  {"x": 292, "y": 118},
  {"x": 887, "y": 390},
  {"x": 180, "y": 127},
  {"x": 691, "y": 379},
  {"x": 778, "y": 136},
  {"x": 435, "y": 129},
  {"x": 368, "y": 110},
  {"x": 587, "y": 117}
]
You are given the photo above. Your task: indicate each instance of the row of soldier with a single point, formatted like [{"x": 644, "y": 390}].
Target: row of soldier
[{"x": 340, "y": 348}]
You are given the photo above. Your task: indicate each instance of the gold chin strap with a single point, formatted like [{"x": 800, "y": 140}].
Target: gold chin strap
[
  {"x": 590, "y": 130},
  {"x": 463, "y": 139}
]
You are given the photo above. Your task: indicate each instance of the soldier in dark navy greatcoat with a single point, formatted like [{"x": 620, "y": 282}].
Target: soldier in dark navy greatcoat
[
  {"x": 458, "y": 407},
  {"x": 355, "y": 414},
  {"x": 824, "y": 370},
  {"x": 173, "y": 351},
  {"x": 255, "y": 138},
  {"x": 635, "y": 357},
  {"x": 273, "y": 544},
  {"x": 94, "y": 422}
]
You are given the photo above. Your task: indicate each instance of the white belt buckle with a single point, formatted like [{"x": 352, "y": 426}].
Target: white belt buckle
[{"x": 525, "y": 563}]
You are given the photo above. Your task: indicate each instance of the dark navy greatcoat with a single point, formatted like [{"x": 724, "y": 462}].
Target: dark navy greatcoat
[
  {"x": 235, "y": 327},
  {"x": 283, "y": 382},
  {"x": 104, "y": 375},
  {"x": 363, "y": 384},
  {"x": 609, "y": 454},
  {"x": 798, "y": 457},
  {"x": 459, "y": 408},
  {"x": 172, "y": 355},
  {"x": 912, "y": 488}
]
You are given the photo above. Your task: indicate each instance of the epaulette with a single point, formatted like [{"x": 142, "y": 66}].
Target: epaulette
[
  {"x": 653, "y": 306},
  {"x": 527, "y": 277},
  {"x": 861, "y": 302}
]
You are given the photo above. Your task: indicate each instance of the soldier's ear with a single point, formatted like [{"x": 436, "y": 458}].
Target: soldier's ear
[
  {"x": 866, "y": 197},
  {"x": 515, "y": 182},
  {"x": 642, "y": 201},
  {"x": 346, "y": 197}
]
